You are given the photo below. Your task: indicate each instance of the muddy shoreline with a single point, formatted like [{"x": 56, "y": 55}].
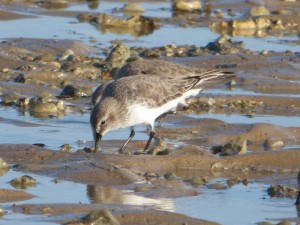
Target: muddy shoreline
[{"x": 37, "y": 71}]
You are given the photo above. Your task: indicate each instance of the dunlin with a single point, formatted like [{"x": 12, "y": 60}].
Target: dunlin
[
  {"x": 140, "y": 99},
  {"x": 149, "y": 67},
  {"x": 298, "y": 197}
]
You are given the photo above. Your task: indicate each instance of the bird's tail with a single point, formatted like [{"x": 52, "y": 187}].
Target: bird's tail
[{"x": 210, "y": 78}]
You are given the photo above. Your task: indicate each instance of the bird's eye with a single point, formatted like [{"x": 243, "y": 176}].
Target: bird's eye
[{"x": 103, "y": 122}]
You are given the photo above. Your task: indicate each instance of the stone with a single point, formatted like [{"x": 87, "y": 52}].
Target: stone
[
  {"x": 259, "y": 11},
  {"x": 183, "y": 5}
]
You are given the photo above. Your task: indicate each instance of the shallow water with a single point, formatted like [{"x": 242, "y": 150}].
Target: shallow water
[
  {"x": 284, "y": 121},
  {"x": 241, "y": 204},
  {"x": 70, "y": 28}
]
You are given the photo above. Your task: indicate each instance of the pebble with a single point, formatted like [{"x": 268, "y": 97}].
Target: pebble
[
  {"x": 23, "y": 182},
  {"x": 184, "y": 5},
  {"x": 282, "y": 191},
  {"x": 262, "y": 22},
  {"x": 233, "y": 181},
  {"x": 65, "y": 148},
  {"x": 284, "y": 222},
  {"x": 170, "y": 176},
  {"x": 3, "y": 165},
  {"x": 96, "y": 217},
  {"x": 44, "y": 108},
  {"x": 76, "y": 92},
  {"x": 235, "y": 147},
  {"x": 133, "y": 7},
  {"x": 151, "y": 175},
  {"x": 259, "y": 11},
  {"x": 21, "y": 78},
  {"x": 273, "y": 143},
  {"x": 5, "y": 70},
  {"x": 159, "y": 147},
  {"x": 265, "y": 223},
  {"x": 217, "y": 167},
  {"x": 243, "y": 24},
  {"x": 198, "y": 180}
]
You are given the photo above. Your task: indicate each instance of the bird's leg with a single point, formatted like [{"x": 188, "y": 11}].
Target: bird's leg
[
  {"x": 160, "y": 119},
  {"x": 132, "y": 133},
  {"x": 151, "y": 135}
]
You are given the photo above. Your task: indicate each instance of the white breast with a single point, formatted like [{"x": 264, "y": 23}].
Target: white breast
[{"x": 143, "y": 114}]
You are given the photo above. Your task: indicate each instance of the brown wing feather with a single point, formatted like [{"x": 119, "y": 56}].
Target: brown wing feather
[{"x": 156, "y": 90}]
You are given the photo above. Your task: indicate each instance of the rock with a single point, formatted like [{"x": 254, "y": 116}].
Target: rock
[
  {"x": 243, "y": 24},
  {"x": 284, "y": 222},
  {"x": 150, "y": 53},
  {"x": 96, "y": 217},
  {"x": 282, "y": 191},
  {"x": 265, "y": 223},
  {"x": 66, "y": 55},
  {"x": 118, "y": 54},
  {"x": 217, "y": 167},
  {"x": 273, "y": 143},
  {"x": 60, "y": 105},
  {"x": 234, "y": 181},
  {"x": 44, "y": 108},
  {"x": 159, "y": 147},
  {"x": 20, "y": 78},
  {"x": 277, "y": 25},
  {"x": 151, "y": 175},
  {"x": 170, "y": 176},
  {"x": 65, "y": 148},
  {"x": 184, "y": 5},
  {"x": 224, "y": 45},
  {"x": 45, "y": 58},
  {"x": 135, "y": 26},
  {"x": 198, "y": 180},
  {"x": 262, "y": 22},
  {"x": 238, "y": 146},
  {"x": 5, "y": 70},
  {"x": 3, "y": 164},
  {"x": 259, "y": 11},
  {"x": 57, "y": 4},
  {"x": 4, "y": 167},
  {"x": 23, "y": 182},
  {"x": 133, "y": 9},
  {"x": 76, "y": 92}
]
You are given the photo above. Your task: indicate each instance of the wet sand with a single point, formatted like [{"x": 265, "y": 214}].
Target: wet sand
[{"x": 270, "y": 79}]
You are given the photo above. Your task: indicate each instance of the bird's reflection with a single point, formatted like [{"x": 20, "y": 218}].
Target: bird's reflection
[
  {"x": 111, "y": 195},
  {"x": 100, "y": 194}
]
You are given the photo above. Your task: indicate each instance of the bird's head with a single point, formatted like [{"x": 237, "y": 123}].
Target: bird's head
[{"x": 104, "y": 118}]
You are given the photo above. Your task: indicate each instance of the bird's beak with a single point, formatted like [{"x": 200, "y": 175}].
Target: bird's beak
[{"x": 98, "y": 138}]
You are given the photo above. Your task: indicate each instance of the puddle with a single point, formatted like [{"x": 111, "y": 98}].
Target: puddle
[
  {"x": 238, "y": 91},
  {"x": 243, "y": 204},
  {"x": 284, "y": 121},
  {"x": 73, "y": 129},
  {"x": 154, "y": 9},
  {"x": 70, "y": 28}
]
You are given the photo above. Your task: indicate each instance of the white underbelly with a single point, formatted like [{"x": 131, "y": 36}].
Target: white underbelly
[{"x": 143, "y": 114}]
